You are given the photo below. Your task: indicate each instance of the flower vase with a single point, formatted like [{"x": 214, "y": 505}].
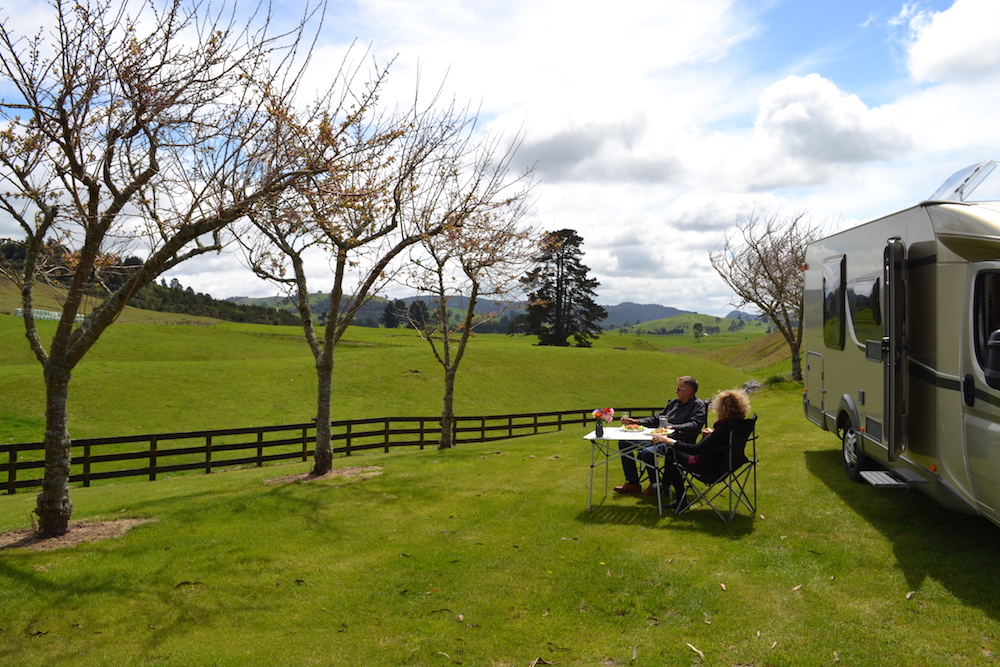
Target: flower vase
[{"x": 600, "y": 429}]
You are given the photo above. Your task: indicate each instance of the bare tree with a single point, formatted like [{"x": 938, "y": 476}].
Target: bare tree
[
  {"x": 141, "y": 128},
  {"x": 762, "y": 263},
  {"x": 360, "y": 221},
  {"x": 483, "y": 258}
]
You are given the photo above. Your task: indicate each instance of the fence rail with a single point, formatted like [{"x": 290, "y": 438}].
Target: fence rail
[{"x": 163, "y": 453}]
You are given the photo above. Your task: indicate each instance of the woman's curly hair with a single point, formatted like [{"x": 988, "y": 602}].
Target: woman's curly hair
[{"x": 731, "y": 404}]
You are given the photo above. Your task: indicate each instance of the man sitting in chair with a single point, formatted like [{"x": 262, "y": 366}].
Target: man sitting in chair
[
  {"x": 709, "y": 454},
  {"x": 686, "y": 415}
]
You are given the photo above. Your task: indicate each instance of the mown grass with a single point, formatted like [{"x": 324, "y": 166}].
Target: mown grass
[
  {"x": 481, "y": 555},
  {"x": 486, "y": 555}
]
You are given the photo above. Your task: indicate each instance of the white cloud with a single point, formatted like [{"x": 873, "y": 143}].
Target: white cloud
[
  {"x": 809, "y": 120},
  {"x": 958, "y": 44},
  {"x": 654, "y": 124},
  {"x": 600, "y": 152}
]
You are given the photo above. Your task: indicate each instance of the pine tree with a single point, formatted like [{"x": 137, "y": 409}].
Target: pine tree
[
  {"x": 418, "y": 315},
  {"x": 389, "y": 316},
  {"x": 561, "y": 299}
]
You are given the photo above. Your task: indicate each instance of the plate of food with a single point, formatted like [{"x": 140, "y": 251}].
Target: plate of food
[
  {"x": 633, "y": 427},
  {"x": 663, "y": 431}
]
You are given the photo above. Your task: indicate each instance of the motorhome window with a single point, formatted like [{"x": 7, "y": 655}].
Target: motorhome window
[
  {"x": 833, "y": 301},
  {"x": 866, "y": 314},
  {"x": 986, "y": 311}
]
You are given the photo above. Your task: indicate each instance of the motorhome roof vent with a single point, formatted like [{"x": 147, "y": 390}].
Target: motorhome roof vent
[{"x": 960, "y": 185}]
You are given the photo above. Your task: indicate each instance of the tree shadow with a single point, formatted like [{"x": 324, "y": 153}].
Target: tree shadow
[{"x": 929, "y": 542}]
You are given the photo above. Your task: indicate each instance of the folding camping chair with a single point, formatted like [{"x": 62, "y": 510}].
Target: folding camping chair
[
  {"x": 663, "y": 490},
  {"x": 737, "y": 485}
]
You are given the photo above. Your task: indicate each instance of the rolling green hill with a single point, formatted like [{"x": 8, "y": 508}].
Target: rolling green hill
[
  {"x": 148, "y": 378},
  {"x": 47, "y": 298},
  {"x": 144, "y": 376},
  {"x": 687, "y": 321}
]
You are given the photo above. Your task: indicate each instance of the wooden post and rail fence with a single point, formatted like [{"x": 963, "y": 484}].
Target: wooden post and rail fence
[{"x": 93, "y": 459}]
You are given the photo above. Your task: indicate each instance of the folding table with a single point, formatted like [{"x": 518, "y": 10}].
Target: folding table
[{"x": 604, "y": 449}]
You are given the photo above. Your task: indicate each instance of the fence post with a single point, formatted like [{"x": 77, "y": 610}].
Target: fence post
[
  {"x": 152, "y": 459},
  {"x": 12, "y": 473},
  {"x": 260, "y": 448},
  {"x": 347, "y": 441},
  {"x": 86, "y": 465},
  {"x": 208, "y": 454},
  {"x": 305, "y": 443},
  {"x": 385, "y": 434}
]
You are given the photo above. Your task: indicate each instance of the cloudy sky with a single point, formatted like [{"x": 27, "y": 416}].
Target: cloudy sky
[{"x": 654, "y": 124}]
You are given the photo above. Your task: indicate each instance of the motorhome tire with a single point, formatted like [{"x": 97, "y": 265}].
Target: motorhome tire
[{"x": 854, "y": 459}]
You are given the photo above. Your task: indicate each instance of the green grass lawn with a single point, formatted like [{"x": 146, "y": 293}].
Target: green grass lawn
[
  {"x": 486, "y": 555},
  {"x": 481, "y": 555}
]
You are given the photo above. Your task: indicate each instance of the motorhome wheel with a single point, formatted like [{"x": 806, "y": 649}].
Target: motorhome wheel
[{"x": 854, "y": 459}]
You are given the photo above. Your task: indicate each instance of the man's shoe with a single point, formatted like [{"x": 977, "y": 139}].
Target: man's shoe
[
  {"x": 651, "y": 491},
  {"x": 628, "y": 488},
  {"x": 682, "y": 505}
]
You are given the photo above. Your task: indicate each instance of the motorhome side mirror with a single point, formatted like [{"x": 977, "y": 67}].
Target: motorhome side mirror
[{"x": 992, "y": 370}]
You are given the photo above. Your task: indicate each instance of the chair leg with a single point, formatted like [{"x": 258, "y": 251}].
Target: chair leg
[{"x": 736, "y": 488}]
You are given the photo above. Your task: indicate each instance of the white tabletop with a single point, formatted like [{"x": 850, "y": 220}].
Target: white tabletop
[{"x": 618, "y": 433}]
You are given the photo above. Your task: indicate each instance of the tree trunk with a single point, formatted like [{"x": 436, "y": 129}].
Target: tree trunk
[
  {"x": 323, "y": 458},
  {"x": 796, "y": 363},
  {"x": 448, "y": 413},
  {"x": 53, "y": 507}
]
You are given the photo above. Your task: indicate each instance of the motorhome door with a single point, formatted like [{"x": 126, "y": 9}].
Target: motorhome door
[
  {"x": 981, "y": 417},
  {"x": 894, "y": 346},
  {"x": 816, "y": 384}
]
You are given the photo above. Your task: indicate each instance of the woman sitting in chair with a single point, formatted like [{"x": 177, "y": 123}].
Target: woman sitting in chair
[{"x": 707, "y": 456}]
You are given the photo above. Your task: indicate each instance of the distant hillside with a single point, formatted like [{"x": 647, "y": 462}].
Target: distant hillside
[
  {"x": 636, "y": 313},
  {"x": 623, "y": 314},
  {"x": 371, "y": 314},
  {"x": 176, "y": 299},
  {"x": 684, "y": 324},
  {"x": 739, "y": 314},
  {"x": 154, "y": 298}
]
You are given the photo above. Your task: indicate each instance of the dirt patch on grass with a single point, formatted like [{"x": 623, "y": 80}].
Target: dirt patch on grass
[
  {"x": 358, "y": 472},
  {"x": 79, "y": 532}
]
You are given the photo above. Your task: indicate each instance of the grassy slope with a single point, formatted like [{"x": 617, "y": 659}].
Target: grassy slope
[
  {"x": 147, "y": 379},
  {"x": 47, "y": 299}
]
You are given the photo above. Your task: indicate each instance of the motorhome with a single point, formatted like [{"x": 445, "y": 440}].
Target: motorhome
[{"x": 901, "y": 343}]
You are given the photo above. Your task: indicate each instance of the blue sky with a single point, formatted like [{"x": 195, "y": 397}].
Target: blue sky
[
  {"x": 858, "y": 44},
  {"x": 654, "y": 124}
]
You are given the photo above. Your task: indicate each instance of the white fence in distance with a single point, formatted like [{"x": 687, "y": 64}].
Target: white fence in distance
[{"x": 45, "y": 315}]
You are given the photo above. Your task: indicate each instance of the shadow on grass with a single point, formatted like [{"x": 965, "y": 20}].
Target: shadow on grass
[
  {"x": 929, "y": 542},
  {"x": 700, "y": 518},
  {"x": 622, "y": 515}
]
